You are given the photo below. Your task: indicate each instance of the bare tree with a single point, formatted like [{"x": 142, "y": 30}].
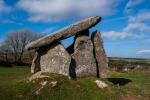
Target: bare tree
[
  {"x": 4, "y": 51},
  {"x": 17, "y": 40},
  {"x": 13, "y": 48},
  {"x": 24, "y": 38}
]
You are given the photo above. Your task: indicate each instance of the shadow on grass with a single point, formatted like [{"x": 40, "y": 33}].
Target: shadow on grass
[{"x": 119, "y": 81}]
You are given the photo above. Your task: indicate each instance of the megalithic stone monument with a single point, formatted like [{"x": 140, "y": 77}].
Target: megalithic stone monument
[{"x": 87, "y": 56}]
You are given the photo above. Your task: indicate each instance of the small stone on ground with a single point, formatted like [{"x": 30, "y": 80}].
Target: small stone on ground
[{"x": 101, "y": 84}]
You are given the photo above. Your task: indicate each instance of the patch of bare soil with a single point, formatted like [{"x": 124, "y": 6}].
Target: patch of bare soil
[{"x": 128, "y": 97}]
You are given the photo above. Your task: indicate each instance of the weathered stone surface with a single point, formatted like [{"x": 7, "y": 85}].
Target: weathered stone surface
[
  {"x": 56, "y": 60},
  {"x": 101, "y": 84},
  {"x": 100, "y": 55},
  {"x": 64, "y": 33},
  {"x": 35, "y": 67},
  {"x": 83, "y": 61},
  {"x": 38, "y": 75},
  {"x": 70, "y": 49}
]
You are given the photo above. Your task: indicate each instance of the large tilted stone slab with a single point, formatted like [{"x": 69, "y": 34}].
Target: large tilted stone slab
[
  {"x": 64, "y": 33},
  {"x": 83, "y": 61},
  {"x": 100, "y": 54},
  {"x": 56, "y": 60}
]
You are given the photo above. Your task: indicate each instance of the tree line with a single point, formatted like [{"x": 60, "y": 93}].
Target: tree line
[{"x": 12, "y": 49}]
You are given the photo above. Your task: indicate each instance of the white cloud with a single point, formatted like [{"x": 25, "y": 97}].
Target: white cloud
[
  {"x": 115, "y": 35},
  {"x": 10, "y": 21},
  {"x": 3, "y": 7},
  {"x": 137, "y": 25},
  {"x": 143, "y": 52},
  {"x": 142, "y": 16},
  {"x": 128, "y": 32},
  {"x": 115, "y": 19},
  {"x": 55, "y": 10},
  {"x": 132, "y": 3},
  {"x": 142, "y": 27}
]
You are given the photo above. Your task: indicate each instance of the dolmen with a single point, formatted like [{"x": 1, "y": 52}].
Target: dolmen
[{"x": 85, "y": 57}]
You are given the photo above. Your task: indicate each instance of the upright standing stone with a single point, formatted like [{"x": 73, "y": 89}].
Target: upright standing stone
[
  {"x": 70, "y": 49},
  {"x": 35, "y": 67},
  {"x": 64, "y": 33},
  {"x": 55, "y": 60},
  {"x": 83, "y": 58},
  {"x": 100, "y": 54}
]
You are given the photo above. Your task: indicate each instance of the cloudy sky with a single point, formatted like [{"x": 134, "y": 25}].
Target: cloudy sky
[{"x": 125, "y": 24}]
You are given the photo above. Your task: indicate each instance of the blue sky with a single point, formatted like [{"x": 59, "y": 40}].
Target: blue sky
[{"x": 125, "y": 25}]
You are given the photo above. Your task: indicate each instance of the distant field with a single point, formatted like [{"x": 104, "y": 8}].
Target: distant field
[
  {"x": 13, "y": 86},
  {"x": 132, "y": 60},
  {"x": 132, "y": 64}
]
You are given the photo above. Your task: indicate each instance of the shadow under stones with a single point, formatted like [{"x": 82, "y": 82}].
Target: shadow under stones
[
  {"x": 72, "y": 68},
  {"x": 70, "y": 49},
  {"x": 94, "y": 53},
  {"x": 119, "y": 81}
]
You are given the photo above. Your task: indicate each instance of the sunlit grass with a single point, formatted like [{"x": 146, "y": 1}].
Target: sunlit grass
[{"x": 15, "y": 86}]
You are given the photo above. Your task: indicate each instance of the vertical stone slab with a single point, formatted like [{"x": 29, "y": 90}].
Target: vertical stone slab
[
  {"x": 100, "y": 55},
  {"x": 35, "y": 67},
  {"x": 70, "y": 49},
  {"x": 83, "y": 59},
  {"x": 55, "y": 59}
]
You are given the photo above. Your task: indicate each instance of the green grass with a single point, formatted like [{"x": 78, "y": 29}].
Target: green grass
[
  {"x": 14, "y": 86},
  {"x": 140, "y": 85},
  {"x": 9, "y": 77},
  {"x": 14, "y": 74}
]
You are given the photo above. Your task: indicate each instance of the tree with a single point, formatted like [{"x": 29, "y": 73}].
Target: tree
[
  {"x": 4, "y": 50},
  {"x": 16, "y": 42}
]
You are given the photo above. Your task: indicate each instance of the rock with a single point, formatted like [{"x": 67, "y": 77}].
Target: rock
[
  {"x": 70, "y": 49},
  {"x": 43, "y": 83},
  {"x": 64, "y": 33},
  {"x": 38, "y": 75},
  {"x": 100, "y": 55},
  {"x": 51, "y": 58},
  {"x": 83, "y": 61},
  {"x": 101, "y": 84},
  {"x": 55, "y": 60},
  {"x": 53, "y": 83},
  {"x": 35, "y": 67},
  {"x": 42, "y": 86}
]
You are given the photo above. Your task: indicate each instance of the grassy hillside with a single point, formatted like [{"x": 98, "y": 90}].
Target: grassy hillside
[{"x": 14, "y": 85}]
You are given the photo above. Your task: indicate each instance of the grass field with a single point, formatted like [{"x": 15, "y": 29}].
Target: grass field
[
  {"x": 14, "y": 86},
  {"x": 133, "y": 61}
]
